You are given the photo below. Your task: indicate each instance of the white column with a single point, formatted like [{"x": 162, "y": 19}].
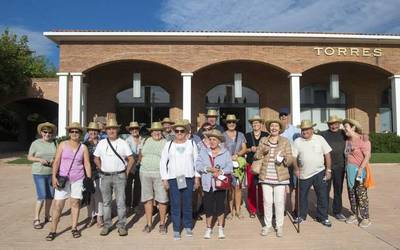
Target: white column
[
  {"x": 396, "y": 103},
  {"x": 295, "y": 98},
  {"x": 62, "y": 103},
  {"x": 77, "y": 97},
  {"x": 84, "y": 103},
  {"x": 187, "y": 96}
]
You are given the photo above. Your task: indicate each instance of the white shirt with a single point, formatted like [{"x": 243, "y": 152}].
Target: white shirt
[
  {"x": 109, "y": 161},
  {"x": 311, "y": 155},
  {"x": 182, "y": 158}
]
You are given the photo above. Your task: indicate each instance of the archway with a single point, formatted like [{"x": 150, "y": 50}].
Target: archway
[{"x": 19, "y": 119}]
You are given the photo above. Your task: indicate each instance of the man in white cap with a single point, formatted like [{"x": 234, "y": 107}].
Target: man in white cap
[{"x": 312, "y": 165}]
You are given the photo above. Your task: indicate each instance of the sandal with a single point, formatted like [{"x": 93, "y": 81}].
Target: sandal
[
  {"x": 75, "y": 233},
  {"x": 48, "y": 219},
  {"x": 37, "y": 224},
  {"x": 51, "y": 236}
]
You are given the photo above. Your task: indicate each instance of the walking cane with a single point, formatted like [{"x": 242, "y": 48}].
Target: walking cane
[{"x": 298, "y": 202}]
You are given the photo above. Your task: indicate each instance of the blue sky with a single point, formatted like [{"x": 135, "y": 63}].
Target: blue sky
[{"x": 32, "y": 17}]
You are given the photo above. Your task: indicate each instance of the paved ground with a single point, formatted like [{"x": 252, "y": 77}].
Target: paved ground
[{"x": 17, "y": 201}]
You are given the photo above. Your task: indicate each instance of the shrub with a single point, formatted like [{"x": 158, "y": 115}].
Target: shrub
[{"x": 385, "y": 143}]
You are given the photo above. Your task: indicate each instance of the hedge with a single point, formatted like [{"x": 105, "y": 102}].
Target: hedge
[{"x": 385, "y": 143}]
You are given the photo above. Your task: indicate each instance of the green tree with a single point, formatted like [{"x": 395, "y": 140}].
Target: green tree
[{"x": 18, "y": 64}]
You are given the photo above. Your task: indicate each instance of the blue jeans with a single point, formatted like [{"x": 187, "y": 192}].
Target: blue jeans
[
  {"x": 181, "y": 200},
  {"x": 321, "y": 190},
  {"x": 44, "y": 190},
  {"x": 108, "y": 185}
]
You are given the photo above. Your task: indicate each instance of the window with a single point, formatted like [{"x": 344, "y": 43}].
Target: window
[
  {"x": 385, "y": 111},
  {"x": 149, "y": 95},
  {"x": 317, "y": 105},
  {"x": 223, "y": 94}
]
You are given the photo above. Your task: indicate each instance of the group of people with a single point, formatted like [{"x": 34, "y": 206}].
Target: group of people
[{"x": 184, "y": 172}]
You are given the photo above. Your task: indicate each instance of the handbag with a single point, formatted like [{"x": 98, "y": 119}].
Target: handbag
[
  {"x": 256, "y": 166},
  {"x": 223, "y": 181},
  {"x": 62, "y": 180},
  {"x": 369, "y": 181}
]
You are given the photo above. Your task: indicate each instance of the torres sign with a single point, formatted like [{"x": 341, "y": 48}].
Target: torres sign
[{"x": 345, "y": 51}]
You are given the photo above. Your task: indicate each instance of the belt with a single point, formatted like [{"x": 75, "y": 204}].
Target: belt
[{"x": 112, "y": 173}]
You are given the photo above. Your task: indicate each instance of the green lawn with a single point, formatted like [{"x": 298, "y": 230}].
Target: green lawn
[
  {"x": 21, "y": 160},
  {"x": 385, "y": 158}
]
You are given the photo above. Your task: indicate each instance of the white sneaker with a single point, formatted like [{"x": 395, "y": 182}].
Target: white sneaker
[
  {"x": 207, "y": 234},
  {"x": 279, "y": 232},
  {"x": 265, "y": 231},
  {"x": 221, "y": 234}
]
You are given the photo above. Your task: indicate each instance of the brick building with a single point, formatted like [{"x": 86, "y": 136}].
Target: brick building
[{"x": 181, "y": 74}]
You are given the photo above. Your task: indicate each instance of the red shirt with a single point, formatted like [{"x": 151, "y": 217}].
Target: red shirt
[{"x": 356, "y": 149}]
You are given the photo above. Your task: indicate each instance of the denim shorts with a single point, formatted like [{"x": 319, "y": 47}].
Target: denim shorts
[{"x": 44, "y": 190}]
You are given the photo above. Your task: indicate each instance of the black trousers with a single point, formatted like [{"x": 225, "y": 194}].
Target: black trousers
[
  {"x": 337, "y": 182},
  {"x": 214, "y": 203},
  {"x": 320, "y": 188},
  {"x": 133, "y": 194}
]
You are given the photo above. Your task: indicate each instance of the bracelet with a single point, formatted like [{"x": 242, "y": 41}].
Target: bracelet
[{"x": 329, "y": 170}]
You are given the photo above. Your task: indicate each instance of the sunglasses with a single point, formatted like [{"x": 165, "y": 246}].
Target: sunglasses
[
  {"x": 230, "y": 122},
  {"x": 207, "y": 129},
  {"x": 74, "y": 132},
  {"x": 47, "y": 132},
  {"x": 179, "y": 131}
]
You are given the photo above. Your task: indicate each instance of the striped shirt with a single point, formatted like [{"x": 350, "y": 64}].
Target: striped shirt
[{"x": 272, "y": 176}]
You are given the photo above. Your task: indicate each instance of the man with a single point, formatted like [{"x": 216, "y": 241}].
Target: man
[
  {"x": 113, "y": 158},
  {"x": 337, "y": 140},
  {"x": 291, "y": 133},
  {"x": 167, "y": 133},
  {"x": 312, "y": 165},
  {"x": 212, "y": 116}
]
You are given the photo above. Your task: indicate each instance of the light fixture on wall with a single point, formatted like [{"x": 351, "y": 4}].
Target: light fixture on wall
[
  {"x": 136, "y": 85},
  {"x": 238, "y": 85},
  {"x": 334, "y": 86}
]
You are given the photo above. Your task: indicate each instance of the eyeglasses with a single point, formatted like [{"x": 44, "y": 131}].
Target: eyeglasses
[
  {"x": 207, "y": 129},
  {"x": 230, "y": 122},
  {"x": 74, "y": 132},
  {"x": 47, "y": 132},
  {"x": 179, "y": 131}
]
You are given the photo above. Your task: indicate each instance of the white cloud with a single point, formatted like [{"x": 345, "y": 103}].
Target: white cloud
[
  {"x": 37, "y": 42},
  {"x": 284, "y": 15}
]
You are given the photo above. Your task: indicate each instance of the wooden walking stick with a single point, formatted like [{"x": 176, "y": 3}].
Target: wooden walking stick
[{"x": 298, "y": 202}]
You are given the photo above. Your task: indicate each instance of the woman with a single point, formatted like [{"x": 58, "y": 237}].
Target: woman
[
  {"x": 177, "y": 169},
  {"x": 254, "y": 191},
  {"x": 72, "y": 160},
  {"x": 358, "y": 153},
  {"x": 235, "y": 142},
  {"x": 95, "y": 208},
  {"x": 41, "y": 153},
  {"x": 150, "y": 178},
  {"x": 212, "y": 164},
  {"x": 276, "y": 152},
  {"x": 132, "y": 194}
]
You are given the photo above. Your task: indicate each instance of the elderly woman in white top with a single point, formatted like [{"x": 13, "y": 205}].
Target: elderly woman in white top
[{"x": 178, "y": 173}]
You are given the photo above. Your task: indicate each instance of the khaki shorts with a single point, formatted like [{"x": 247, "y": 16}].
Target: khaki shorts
[
  {"x": 152, "y": 188},
  {"x": 73, "y": 190}
]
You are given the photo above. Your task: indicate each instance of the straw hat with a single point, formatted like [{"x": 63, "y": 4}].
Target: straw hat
[
  {"x": 156, "y": 126},
  {"x": 215, "y": 133},
  {"x": 306, "y": 124},
  {"x": 93, "y": 126},
  {"x": 167, "y": 120},
  {"x": 75, "y": 125},
  {"x": 112, "y": 123},
  {"x": 212, "y": 113},
  {"x": 41, "y": 126},
  {"x": 334, "y": 119},
  {"x": 281, "y": 125},
  {"x": 354, "y": 123},
  {"x": 231, "y": 117},
  {"x": 181, "y": 124},
  {"x": 256, "y": 118},
  {"x": 132, "y": 125}
]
